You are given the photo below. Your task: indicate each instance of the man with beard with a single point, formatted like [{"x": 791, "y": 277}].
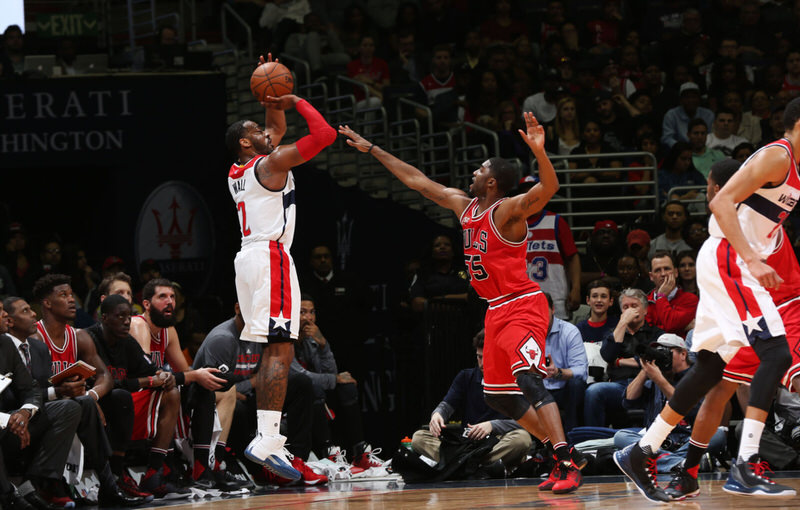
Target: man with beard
[
  {"x": 91, "y": 432},
  {"x": 143, "y": 394},
  {"x": 262, "y": 187},
  {"x": 155, "y": 332},
  {"x": 495, "y": 230}
]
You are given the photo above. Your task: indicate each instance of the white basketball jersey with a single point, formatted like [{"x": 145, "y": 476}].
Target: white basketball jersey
[
  {"x": 762, "y": 213},
  {"x": 264, "y": 214}
]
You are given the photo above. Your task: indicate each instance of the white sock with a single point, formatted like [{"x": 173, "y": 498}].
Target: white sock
[
  {"x": 751, "y": 437},
  {"x": 269, "y": 422},
  {"x": 656, "y": 434}
]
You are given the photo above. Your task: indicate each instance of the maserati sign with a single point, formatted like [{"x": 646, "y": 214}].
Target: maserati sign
[{"x": 176, "y": 230}]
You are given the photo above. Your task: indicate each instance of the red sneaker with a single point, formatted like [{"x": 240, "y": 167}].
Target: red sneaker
[
  {"x": 128, "y": 485},
  {"x": 368, "y": 458},
  {"x": 555, "y": 475},
  {"x": 57, "y": 497},
  {"x": 271, "y": 478},
  {"x": 570, "y": 478},
  {"x": 309, "y": 477}
]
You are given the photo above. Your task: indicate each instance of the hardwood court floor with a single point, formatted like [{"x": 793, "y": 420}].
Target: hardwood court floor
[{"x": 607, "y": 493}]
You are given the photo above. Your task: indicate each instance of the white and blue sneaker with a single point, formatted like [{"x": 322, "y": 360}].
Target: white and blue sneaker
[
  {"x": 747, "y": 478},
  {"x": 268, "y": 451}
]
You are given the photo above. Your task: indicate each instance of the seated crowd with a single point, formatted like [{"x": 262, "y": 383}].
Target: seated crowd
[
  {"x": 154, "y": 411},
  {"x": 172, "y": 404}
]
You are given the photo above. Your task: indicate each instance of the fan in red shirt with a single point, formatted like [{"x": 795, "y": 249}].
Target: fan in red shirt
[
  {"x": 671, "y": 308},
  {"x": 369, "y": 70}
]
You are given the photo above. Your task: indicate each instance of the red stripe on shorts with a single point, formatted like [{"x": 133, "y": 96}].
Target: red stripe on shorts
[{"x": 740, "y": 294}]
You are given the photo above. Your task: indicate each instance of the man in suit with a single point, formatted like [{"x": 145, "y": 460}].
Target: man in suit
[
  {"x": 32, "y": 432},
  {"x": 36, "y": 357}
]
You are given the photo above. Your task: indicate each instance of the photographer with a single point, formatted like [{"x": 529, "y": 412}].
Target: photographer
[
  {"x": 619, "y": 350},
  {"x": 663, "y": 364}
]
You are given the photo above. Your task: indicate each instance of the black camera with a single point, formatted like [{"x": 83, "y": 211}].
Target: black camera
[{"x": 660, "y": 354}]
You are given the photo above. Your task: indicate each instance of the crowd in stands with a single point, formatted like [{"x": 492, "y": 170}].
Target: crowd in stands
[{"x": 692, "y": 86}]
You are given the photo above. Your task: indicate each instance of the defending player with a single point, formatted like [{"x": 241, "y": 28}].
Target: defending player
[
  {"x": 516, "y": 323},
  {"x": 262, "y": 186},
  {"x": 735, "y": 310},
  {"x": 743, "y": 366}
]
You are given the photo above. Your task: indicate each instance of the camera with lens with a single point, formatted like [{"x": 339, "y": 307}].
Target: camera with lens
[{"x": 660, "y": 354}]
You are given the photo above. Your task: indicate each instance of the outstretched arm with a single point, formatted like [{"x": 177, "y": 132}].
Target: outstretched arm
[
  {"x": 537, "y": 197},
  {"x": 272, "y": 171},
  {"x": 275, "y": 119},
  {"x": 450, "y": 198}
]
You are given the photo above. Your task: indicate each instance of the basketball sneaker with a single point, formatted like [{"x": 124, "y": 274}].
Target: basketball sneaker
[
  {"x": 156, "y": 483},
  {"x": 578, "y": 458},
  {"x": 569, "y": 478},
  {"x": 229, "y": 465},
  {"x": 747, "y": 478},
  {"x": 682, "y": 485},
  {"x": 128, "y": 485},
  {"x": 368, "y": 458},
  {"x": 640, "y": 466},
  {"x": 268, "y": 451},
  {"x": 309, "y": 476},
  {"x": 555, "y": 475},
  {"x": 206, "y": 479}
]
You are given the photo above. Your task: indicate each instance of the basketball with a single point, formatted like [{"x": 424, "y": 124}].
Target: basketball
[{"x": 271, "y": 79}]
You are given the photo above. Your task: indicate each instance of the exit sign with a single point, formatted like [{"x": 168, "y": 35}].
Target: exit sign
[{"x": 67, "y": 25}]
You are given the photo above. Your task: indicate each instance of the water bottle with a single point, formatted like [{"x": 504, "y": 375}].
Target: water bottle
[{"x": 406, "y": 443}]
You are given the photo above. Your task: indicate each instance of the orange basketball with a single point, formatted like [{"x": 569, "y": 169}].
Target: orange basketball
[{"x": 271, "y": 79}]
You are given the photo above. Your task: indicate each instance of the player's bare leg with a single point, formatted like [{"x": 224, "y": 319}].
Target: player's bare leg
[{"x": 270, "y": 385}]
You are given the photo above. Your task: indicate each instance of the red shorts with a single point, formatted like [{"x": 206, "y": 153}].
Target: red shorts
[
  {"x": 145, "y": 414},
  {"x": 743, "y": 366},
  {"x": 514, "y": 341}
]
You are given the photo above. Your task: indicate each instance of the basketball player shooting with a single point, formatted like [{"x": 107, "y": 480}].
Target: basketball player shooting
[
  {"x": 262, "y": 187},
  {"x": 516, "y": 323},
  {"x": 735, "y": 310}
]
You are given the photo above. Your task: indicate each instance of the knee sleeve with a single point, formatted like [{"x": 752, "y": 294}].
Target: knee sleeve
[
  {"x": 513, "y": 406},
  {"x": 775, "y": 361},
  {"x": 532, "y": 387},
  {"x": 701, "y": 378}
]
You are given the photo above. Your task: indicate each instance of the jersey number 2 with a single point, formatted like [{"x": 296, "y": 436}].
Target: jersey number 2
[{"x": 245, "y": 228}]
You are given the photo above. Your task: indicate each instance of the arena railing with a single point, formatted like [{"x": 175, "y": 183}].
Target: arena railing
[
  {"x": 226, "y": 11},
  {"x": 696, "y": 205},
  {"x": 582, "y": 204},
  {"x": 298, "y": 62}
]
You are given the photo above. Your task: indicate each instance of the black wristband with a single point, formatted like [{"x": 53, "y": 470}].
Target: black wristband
[
  {"x": 180, "y": 378},
  {"x": 369, "y": 151}
]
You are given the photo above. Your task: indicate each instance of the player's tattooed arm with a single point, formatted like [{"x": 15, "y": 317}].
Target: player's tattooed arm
[{"x": 450, "y": 198}]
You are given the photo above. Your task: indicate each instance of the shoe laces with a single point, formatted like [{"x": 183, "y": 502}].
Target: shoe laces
[
  {"x": 759, "y": 468},
  {"x": 339, "y": 456},
  {"x": 651, "y": 466},
  {"x": 372, "y": 456}
]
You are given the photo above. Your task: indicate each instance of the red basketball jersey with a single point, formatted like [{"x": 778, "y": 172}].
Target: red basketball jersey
[
  {"x": 158, "y": 345},
  {"x": 65, "y": 355},
  {"x": 496, "y": 266},
  {"x": 784, "y": 261}
]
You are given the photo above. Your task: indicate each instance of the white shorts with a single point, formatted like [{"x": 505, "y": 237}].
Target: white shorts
[
  {"x": 268, "y": 292},
  {"x": 734, "y": 309}
]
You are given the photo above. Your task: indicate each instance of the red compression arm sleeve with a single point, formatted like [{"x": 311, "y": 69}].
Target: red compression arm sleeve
[{"x": 321, "y": 134}]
